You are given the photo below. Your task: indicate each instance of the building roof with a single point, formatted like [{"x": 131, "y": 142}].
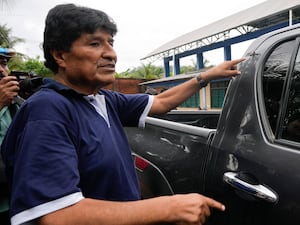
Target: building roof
[{"x": 268, "y": 13}]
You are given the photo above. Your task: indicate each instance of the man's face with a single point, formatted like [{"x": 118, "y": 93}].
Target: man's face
[
  {"x": 3, "y": 66},
  {"x": 90, "y": 64}
]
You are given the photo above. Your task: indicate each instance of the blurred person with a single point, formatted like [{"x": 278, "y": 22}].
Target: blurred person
[
  {"x": 9, "y": 88},
  {"x": 67, "y": 157}
]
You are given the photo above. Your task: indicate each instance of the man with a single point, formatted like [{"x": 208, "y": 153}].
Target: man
[
  {"x": 67, "y": 157},
  {"x": 9, "y": 88}
]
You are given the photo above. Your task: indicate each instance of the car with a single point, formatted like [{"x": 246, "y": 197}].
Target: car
[{"x": 251, "y": 160}]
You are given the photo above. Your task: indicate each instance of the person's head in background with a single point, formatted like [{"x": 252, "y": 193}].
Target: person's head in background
[{"x": 5, "y": 56}]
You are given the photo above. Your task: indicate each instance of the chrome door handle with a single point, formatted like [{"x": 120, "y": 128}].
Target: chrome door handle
[{"x": 257, "y": 190}]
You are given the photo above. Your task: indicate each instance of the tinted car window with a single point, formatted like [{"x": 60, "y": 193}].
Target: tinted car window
[
  {"x": 274, "y": 75},
  {"x": 291, "y": 122}
]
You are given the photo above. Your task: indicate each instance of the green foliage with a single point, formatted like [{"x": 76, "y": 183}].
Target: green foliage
[
  {"x": 193, "y": 67},
  {"x": 20, "y": 62},
  {"x": 187, "y": 69},
  {"x": 148, "y": 71},
  {"x": 151, "y": 72},
  {"x": 36, "y": 66},
  {"x": 6, "y": 40},
  {"x": 125, "y": 74}
]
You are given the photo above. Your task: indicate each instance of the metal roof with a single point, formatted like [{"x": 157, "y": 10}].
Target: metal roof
[{"x": 268, "y": 13}]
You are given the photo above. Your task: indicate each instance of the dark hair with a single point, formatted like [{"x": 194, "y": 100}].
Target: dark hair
[{"x": 66, "y": 23}]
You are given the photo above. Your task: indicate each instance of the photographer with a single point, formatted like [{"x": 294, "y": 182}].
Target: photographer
[{"x": 9, "y": 87}]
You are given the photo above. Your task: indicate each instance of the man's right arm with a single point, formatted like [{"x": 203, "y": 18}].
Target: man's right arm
[{"x": 178, "y": 209}]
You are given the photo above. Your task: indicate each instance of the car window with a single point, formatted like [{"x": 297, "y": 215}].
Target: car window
[
  {"x": 291, "y": 122},
  {"x": 274, "y": 75}
]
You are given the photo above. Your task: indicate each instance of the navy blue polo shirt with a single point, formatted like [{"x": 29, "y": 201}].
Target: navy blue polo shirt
[{"x": 62, "y": 148}]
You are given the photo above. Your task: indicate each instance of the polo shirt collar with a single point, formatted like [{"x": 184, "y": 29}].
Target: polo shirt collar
[{"x": 53, "y": 84}]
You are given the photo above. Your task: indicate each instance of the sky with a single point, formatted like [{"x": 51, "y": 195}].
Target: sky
[{"x": 143, "y": 25}]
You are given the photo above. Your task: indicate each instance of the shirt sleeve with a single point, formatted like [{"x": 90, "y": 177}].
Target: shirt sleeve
[
  {"x": 48, "y": 160},
  {"x": 42, "y": 162},
  {"x": 146, "y": 111},
  {"x": 132, "y": 109}
]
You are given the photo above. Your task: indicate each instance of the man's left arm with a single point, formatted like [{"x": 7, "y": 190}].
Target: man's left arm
[{"x": 173, "y": 97}]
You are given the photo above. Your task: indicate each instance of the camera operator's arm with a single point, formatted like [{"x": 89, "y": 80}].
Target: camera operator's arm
[{"x": 9, "y": 88}]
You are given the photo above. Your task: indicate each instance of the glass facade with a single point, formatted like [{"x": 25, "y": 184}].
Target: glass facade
[
  {"x": 217, "y": 93},
  {"x": 192, "y": 102}
]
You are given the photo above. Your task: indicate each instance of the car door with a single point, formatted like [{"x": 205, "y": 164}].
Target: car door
[{"x": 254, "y": 167}]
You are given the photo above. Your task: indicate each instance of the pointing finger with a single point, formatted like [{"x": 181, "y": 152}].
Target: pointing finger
[
  {"x": 237, "y": 61},
  {"x": 215, "y": 204}
]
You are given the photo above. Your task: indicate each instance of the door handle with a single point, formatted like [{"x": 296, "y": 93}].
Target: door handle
[{"x": 257, "y": 190}]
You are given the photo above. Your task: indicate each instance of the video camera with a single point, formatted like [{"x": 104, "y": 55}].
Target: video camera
[{"x": 28, "y": 82}]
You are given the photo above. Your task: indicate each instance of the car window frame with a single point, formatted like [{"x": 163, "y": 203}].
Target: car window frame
[{"x": 266, "y": 127}]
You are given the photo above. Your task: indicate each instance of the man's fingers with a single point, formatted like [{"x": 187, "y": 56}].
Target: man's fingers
[
  {"x": 9, "y": 78},
  {"x": 215, "y": 204},
  {"x": 234, "y": 72},
  {"x": 233, "y": 66},
  {"x": 237, "y": 61},
  {"x": 206, "y": 210}
]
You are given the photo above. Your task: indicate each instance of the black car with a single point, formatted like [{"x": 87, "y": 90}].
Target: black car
[{"x": 251, "y": 161}]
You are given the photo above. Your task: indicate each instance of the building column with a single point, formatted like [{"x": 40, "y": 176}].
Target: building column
[
  {"x": 166, "y": 67},
  {"x": 176, "y": 65},
  {"x": 200, "y": 63},
  {"x": 227, "y": 52}
]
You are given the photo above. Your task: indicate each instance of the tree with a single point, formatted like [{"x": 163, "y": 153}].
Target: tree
[
  {"x": 145, "y": 71},
  {"x": 6, "y": 40},
  {"x": 20, "y": 62},
  {"x": 193, "y": 67},
  {"x": 151, "y": 72}
]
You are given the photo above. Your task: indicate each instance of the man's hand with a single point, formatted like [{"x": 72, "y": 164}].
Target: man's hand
[
  {"x": 192, "y": 208},
  {"x": 223, "y": 70},
  {"x": 9, "y": 88}
]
